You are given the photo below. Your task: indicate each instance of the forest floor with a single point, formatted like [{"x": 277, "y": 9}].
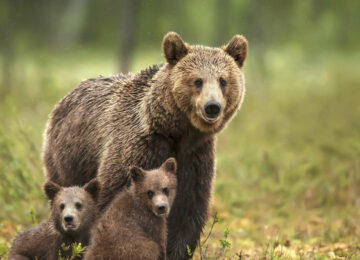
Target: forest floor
[{"x": 288, "y": 165}]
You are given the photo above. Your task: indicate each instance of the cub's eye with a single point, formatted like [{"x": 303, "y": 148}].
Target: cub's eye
[
  {"x": 150, "y": 194},
  {"x": 78, "y": 205},
  {"x": 198, "y": 83},
  {"x": 222, "y": 82},
  {"x": 62, "y": 206},
  {"x": 166, "y": 191}
]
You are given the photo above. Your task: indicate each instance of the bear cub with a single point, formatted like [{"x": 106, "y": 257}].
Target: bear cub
[
  {"x": 73, "y": 212},
  {"x": 134, "y": 224}
]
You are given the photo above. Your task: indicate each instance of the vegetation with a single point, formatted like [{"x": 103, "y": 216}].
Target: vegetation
[
  {"x": 288, "y": 165},
  {"x": 76, "y": 249}
]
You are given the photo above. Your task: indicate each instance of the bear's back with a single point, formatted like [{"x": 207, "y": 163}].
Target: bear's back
[
  {"x": 85, "y": 119},
  {"x": 40, "y": 242}
]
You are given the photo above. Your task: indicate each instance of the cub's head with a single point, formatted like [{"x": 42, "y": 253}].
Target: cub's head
[
  {"x": 155, "y": 189},
  {"x": 208, "y": 84},
  {"x": 73, "y": 209}
]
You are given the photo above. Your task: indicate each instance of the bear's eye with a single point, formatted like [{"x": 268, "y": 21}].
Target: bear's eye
[
  {"x": 62, "y": 206},
  {"x": 150, "y": 194},
  {"x": 166, "y": 191},
  {"x": 222, "y": 82},
  {"x": 198, "y": 83},
  {"x": 78, "y": 205}
]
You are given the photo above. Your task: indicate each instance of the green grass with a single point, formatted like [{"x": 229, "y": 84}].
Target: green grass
[{"x": 288, "y": 167}]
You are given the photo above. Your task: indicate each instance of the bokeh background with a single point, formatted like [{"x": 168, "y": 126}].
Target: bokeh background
[{"x": 288, "y": 167}]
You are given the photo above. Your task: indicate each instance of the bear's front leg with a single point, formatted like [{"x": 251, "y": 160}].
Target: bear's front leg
[{"x": 189, "y": 212}]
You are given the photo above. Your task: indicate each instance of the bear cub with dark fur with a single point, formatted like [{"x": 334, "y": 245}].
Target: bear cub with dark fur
[
  {"x": 134, "y": 224},
  {"x": 73, "y": 212}
]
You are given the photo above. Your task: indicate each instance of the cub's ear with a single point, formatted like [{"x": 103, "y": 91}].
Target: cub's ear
[
  {"x": 237, "y": 48},
  {"x": 137, "y": 174},
  {"x": 51, "y": 189},
  {"x": 93, "y": 188},
  {"x": 170, "y": 165},
  {"x": 174, "y": 48}
]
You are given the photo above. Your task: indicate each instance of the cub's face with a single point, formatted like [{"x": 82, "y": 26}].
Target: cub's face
[
  {"x": 208, "y": 83},
  {"x": 156, "y": 189},
  {"x": 73, "y": 208}
]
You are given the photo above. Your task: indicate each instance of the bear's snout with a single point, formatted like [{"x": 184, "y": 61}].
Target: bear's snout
[
  {"x": 69, "y": 223},
  {"x": 68, "y": 218},
  {"x": 212, "y": 110},
  {"x": 161, "y": 208}
]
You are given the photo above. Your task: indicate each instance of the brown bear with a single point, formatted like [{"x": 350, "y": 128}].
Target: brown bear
[
  {"x": 109, "y": 123},
  {"x": 134, "y": 224},
  {"x": 73, "y": 212}
]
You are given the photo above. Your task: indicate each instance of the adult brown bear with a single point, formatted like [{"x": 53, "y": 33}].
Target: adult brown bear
[{"x": 109, "y": 123}]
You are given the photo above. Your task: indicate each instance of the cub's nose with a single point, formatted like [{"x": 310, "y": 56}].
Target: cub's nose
[
  {"x": 161, "y": 208},
  {"x": 212, "y": 109},
  {"x": 68, "y": 218}
]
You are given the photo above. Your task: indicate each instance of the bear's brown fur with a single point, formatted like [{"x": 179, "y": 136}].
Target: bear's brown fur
[
  {"x": 134, "y": 224},
  {"x": 107, "y": 124},
  {"x": 73, "y": 211}
]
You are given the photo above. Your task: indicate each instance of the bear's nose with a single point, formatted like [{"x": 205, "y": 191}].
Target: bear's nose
[
  {"x": 212, "y": 109},
  {"x": 161, "y": 208},
  {"x": 68, "y": 218}
]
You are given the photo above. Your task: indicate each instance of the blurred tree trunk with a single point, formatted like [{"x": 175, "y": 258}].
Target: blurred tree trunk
[
  {"x": 222, "y": 22},
  {"x": 7, "y": 47},
  {"x": 256, "y": 31},
  {"x": 71, "y": 24},
  {"x": 174, "y": 11},
  {"x": 127, "y": 34}
]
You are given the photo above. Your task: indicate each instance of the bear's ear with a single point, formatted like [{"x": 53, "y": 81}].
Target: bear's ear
[
  {"x": 136, "y": 173},
  {"x": 237, "y": 48},
  {"x": 51, "y": 189},
  {"x": 170, "y": 165},
  {"x": 93, "y": 188},
  {"x": 174, "y": 48}
]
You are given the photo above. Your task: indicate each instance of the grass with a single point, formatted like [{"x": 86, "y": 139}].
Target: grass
[{"x": 288, "y": 167}]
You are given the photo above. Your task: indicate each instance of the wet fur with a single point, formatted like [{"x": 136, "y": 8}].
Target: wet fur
[{"x": 109, "y": 123}]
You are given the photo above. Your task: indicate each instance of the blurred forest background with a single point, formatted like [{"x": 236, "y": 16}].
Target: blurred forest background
[{"x": 288, "y": 165}]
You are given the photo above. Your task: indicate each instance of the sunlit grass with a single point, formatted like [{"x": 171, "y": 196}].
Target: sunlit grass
[{"x": 288, "y": 167}]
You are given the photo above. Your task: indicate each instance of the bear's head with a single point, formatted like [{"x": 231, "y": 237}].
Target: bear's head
[
  {"x": 155, "y": 189},
  {"x": 73, "y": 209},
  {"x": 208, "y": 84}
]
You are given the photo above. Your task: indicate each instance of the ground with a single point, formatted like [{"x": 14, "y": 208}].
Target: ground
[{"x": 288, "y": 167}]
